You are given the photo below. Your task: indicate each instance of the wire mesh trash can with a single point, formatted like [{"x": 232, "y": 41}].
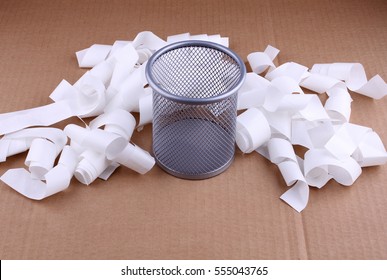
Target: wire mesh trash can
[{"x": 195, "y": 85}]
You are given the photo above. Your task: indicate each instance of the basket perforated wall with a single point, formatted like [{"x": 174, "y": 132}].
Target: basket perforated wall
[{"x": 194, "y": 107}]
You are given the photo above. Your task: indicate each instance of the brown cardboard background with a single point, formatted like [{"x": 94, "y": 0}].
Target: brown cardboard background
[{"x": 237, "y": 215}]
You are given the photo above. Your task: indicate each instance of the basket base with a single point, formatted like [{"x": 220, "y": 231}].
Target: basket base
[{"x": 199, "y": 149}]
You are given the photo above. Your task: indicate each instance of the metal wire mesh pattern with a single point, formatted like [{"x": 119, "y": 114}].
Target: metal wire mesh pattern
[{"x": 195, "y": 87}]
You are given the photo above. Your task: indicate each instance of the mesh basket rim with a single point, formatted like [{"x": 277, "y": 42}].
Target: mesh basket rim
[{"x": 194, "y": 101}]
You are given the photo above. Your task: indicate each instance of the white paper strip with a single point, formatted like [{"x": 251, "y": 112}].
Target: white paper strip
[
  {"x": 20, "y": 141},
  {"x": 124, "y": 61},
  {"x": 143, "y": 54},
  {"x": 338, "y": 105},
  {"x": 293, "y": 70},
  {"x": 57, "y": 179},
  {"x": 39, "y": 116},
  {"x": 105, "y": 175},
  {"x": 370, "y": 151},
  {"x": 314, "y": 111},
  {"x": 91, "y": 99},
  {"x": 299, "y": 133},
  {"x": 320, "y": 83},
  {"x": 136, "y": 159},
  {"x": 119, "y": 121},
  {"x": 253, "y": 91},
  {"x": 297, "y": 196},
  {"x": 103, "y": 72},
  {"x": 130, "y": 91},
  {"x": 260, "y": 61},
  {"x": 146, "y": 108},
  {"x": 147, "y": 39},
  {"x": 281, "y": 152},
  {"x": 40, "y": 158},
  {"x": 178, "y": 37},
  {"x": 92, "y": 165},
  {"x": 354, "y": 76},
  {"x": 252, "y": 130},
  {"x": 277, "y": 108},
  {"x": 101, "y": 141},
  {"x": 280, "y": 123},
  {"x": 93, "y": 55},
  {"x": 320, "y": 166},
  {"x": 118, "y": 44}
]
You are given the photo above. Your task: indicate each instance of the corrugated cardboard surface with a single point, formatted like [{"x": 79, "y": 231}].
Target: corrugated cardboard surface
[{"x": 237, "y": 215}]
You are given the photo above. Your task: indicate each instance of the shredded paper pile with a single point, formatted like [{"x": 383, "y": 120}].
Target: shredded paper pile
[{"x": 274, "y": 115}]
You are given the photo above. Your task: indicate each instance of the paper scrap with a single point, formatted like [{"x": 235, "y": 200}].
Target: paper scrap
[
  {"x": 354, "y": 76},
  {"x": 93, "y": 55},
  {"x": 260, "y": 61},
  {"x": 98, "y": 140},
  {"x": 91, "y": 165},
  {"x": 56, "y": 180},
  {"x": 252, "y": 130},
  {"x": 20, "y": 141},
  {"x": 278, "y": 115},
  {"x": 40, "y": 158},
  {"x": 119, "y": 121},
  {"x": 135, "y": 158},
  {"x": 146, "y": 108}
]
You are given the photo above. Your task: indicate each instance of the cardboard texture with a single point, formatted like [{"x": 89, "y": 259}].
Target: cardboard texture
[{"x": 236, "y": 215}]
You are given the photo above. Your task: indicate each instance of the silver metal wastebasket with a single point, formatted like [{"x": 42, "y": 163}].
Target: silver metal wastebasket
[{"x": 195, "y": 86}]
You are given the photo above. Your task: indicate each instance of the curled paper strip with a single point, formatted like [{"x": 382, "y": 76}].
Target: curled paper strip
[
  {"x": 20, "y": 141},
  {"x": 149, "y": 40},
  {"x": 143, "y": 55},
  {"x": 69, "y": 102},
  {"x": 109, "y": 171},
  {"x": 337, "y": 149},
  {"x": 86, "y": 98},
  {"x": 92, "y": 164},
  {"x": 354, "y": 76},
  {"x": 146, "y": 108},
  {"x": 129, "y": 93},
  {"x": 253, "y": 91},
  {"x": 103, "y": 72},
  {"x": 279, "y": 114},
  {"x": 292, "y": 70},
  {"x": 39, "y": 116},
  {"x": 101, "y": 141},
  {"x": 320, "y": 166},
  {"x": 260, "y": 61},
  {"x": 370, "y": 151},
  {"x": 280, "y": 152},
  {"x": 298, "y": 195},
  {"x": 119, "y": 121},
  {"x": 40, "y": 158},
  {"x": 252, "y": 130},
  {"x": 124, "y": 61},
  {"x": 93, "y": 55},
  {"x": 135, "y": 158},
  {"x": 91, "y": 98},
  {"x": 320, "y": 83},
  {"x": 279, "y": 96},
  {"x": 338, "y": 104},
  {"x": 118, "y": 44},
  {"x": 56, "y": 180}
]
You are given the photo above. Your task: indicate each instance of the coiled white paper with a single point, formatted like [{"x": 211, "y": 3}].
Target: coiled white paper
[
  {"x": 337, "y": 149},
  {"x": 278, "y": 114}
]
